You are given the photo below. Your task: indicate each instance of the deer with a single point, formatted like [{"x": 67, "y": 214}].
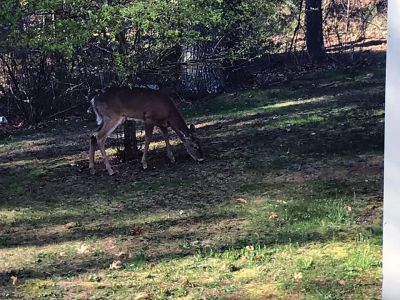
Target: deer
[{"x": 154, "y": 108}]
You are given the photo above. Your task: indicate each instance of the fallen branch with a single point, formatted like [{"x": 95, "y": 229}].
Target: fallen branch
[
  {"x": 297, "y": 26},
  {"x": 64, "y": 111}
]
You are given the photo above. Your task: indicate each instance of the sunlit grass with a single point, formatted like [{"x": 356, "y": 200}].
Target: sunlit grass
[{"x": 272, "y": 269}]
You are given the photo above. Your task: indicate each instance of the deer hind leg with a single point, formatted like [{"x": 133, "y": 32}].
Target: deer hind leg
[
  {"x": 92, "y": 149},
  {"x": 148, "y": 128},
  {"x": 170, "y": 155},
  {"x": 108, "y": 127}
]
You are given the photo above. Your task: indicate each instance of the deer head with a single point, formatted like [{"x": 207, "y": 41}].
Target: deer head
[{"x": 192, "y": 144}]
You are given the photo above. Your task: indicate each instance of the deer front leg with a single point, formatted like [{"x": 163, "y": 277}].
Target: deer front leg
[
  {"x": 92, "y": 148},
  {"x": 170, "y": 155},
  {"x": 148, "y": 128},
  {"x": 109, "y": 126},
  {"x": 105, "y": 157}
]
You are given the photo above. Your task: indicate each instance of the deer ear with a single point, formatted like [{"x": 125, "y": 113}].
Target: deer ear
[{"x": 192, "y": 128}]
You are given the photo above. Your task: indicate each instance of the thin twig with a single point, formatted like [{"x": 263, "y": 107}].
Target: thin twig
[
  {"x": 297, "y": 26},
  {"x": 64, "y": 111}
]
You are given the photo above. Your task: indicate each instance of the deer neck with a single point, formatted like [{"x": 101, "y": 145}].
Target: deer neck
[{"x": 179, "y": 126}]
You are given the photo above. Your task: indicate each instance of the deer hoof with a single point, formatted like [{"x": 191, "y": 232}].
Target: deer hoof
[
  {"x": 144, "y": 165},
  {"x": 111, "y": 172},
  {"x": 92, "y": 171}
]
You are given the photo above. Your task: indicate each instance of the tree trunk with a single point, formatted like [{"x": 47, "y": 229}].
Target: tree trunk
[
  {"x": 314, "y": 31},
  {"x": 130, "y": 142},
  {"x": 200, "y": 75}
]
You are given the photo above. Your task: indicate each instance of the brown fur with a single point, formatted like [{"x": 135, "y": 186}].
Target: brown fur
[{"x": 152, "y": 107}]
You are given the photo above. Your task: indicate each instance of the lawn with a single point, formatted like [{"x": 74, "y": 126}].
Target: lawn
[{"x": 287, "y": 205}]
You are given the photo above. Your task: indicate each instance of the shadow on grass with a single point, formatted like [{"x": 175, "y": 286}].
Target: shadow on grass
[
  {"x": 269, "y": 142},
  {"x": 76, "y": 266},
  {"x": 104, "y": 230},
  {"x": 326, "y": 84}
]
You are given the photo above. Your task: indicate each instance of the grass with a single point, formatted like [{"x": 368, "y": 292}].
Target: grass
[{"x": 286, "y": 206}]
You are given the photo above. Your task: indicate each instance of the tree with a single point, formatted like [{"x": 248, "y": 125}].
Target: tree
[
  {"x": 56, "y": 54},
  {"x": 314, "y": 30}
]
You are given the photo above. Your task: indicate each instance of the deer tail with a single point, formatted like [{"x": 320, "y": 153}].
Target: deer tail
[{"x": 99, "y": 118}]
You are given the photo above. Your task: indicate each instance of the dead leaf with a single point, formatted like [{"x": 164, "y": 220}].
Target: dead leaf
[
  {"x": 263, "y": 269},
  {"x": 116, "y": 264},
  {"x": 206, "y": 243},
  {"x": 241, "y": 201},
  {"x": 342, "y": 282},
  {"x": 250, "y": 248},
  {"x": 136, "y": 230},
  {"x": 123, "y": 255},
  {"x": 142, "y": 296},
  {"x": 110, "y": 244},
  {"x": 71, "y": 225},
  {"x": 184, "y": 281},
  {"x": 120, "y": 206},
  {"x": 82, "y": 249},
  {"x": 333, "y": 83},
  {"x": 220, "y": 176},
  {"x": 298, "y": 277},
  {"x": 13, "y": 279},
  {"x": 231, "y": 268},
  {"x": 273, "y": 216}
]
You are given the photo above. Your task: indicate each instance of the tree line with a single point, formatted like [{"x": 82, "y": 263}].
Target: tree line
[{"x": 55, "y": 54}]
